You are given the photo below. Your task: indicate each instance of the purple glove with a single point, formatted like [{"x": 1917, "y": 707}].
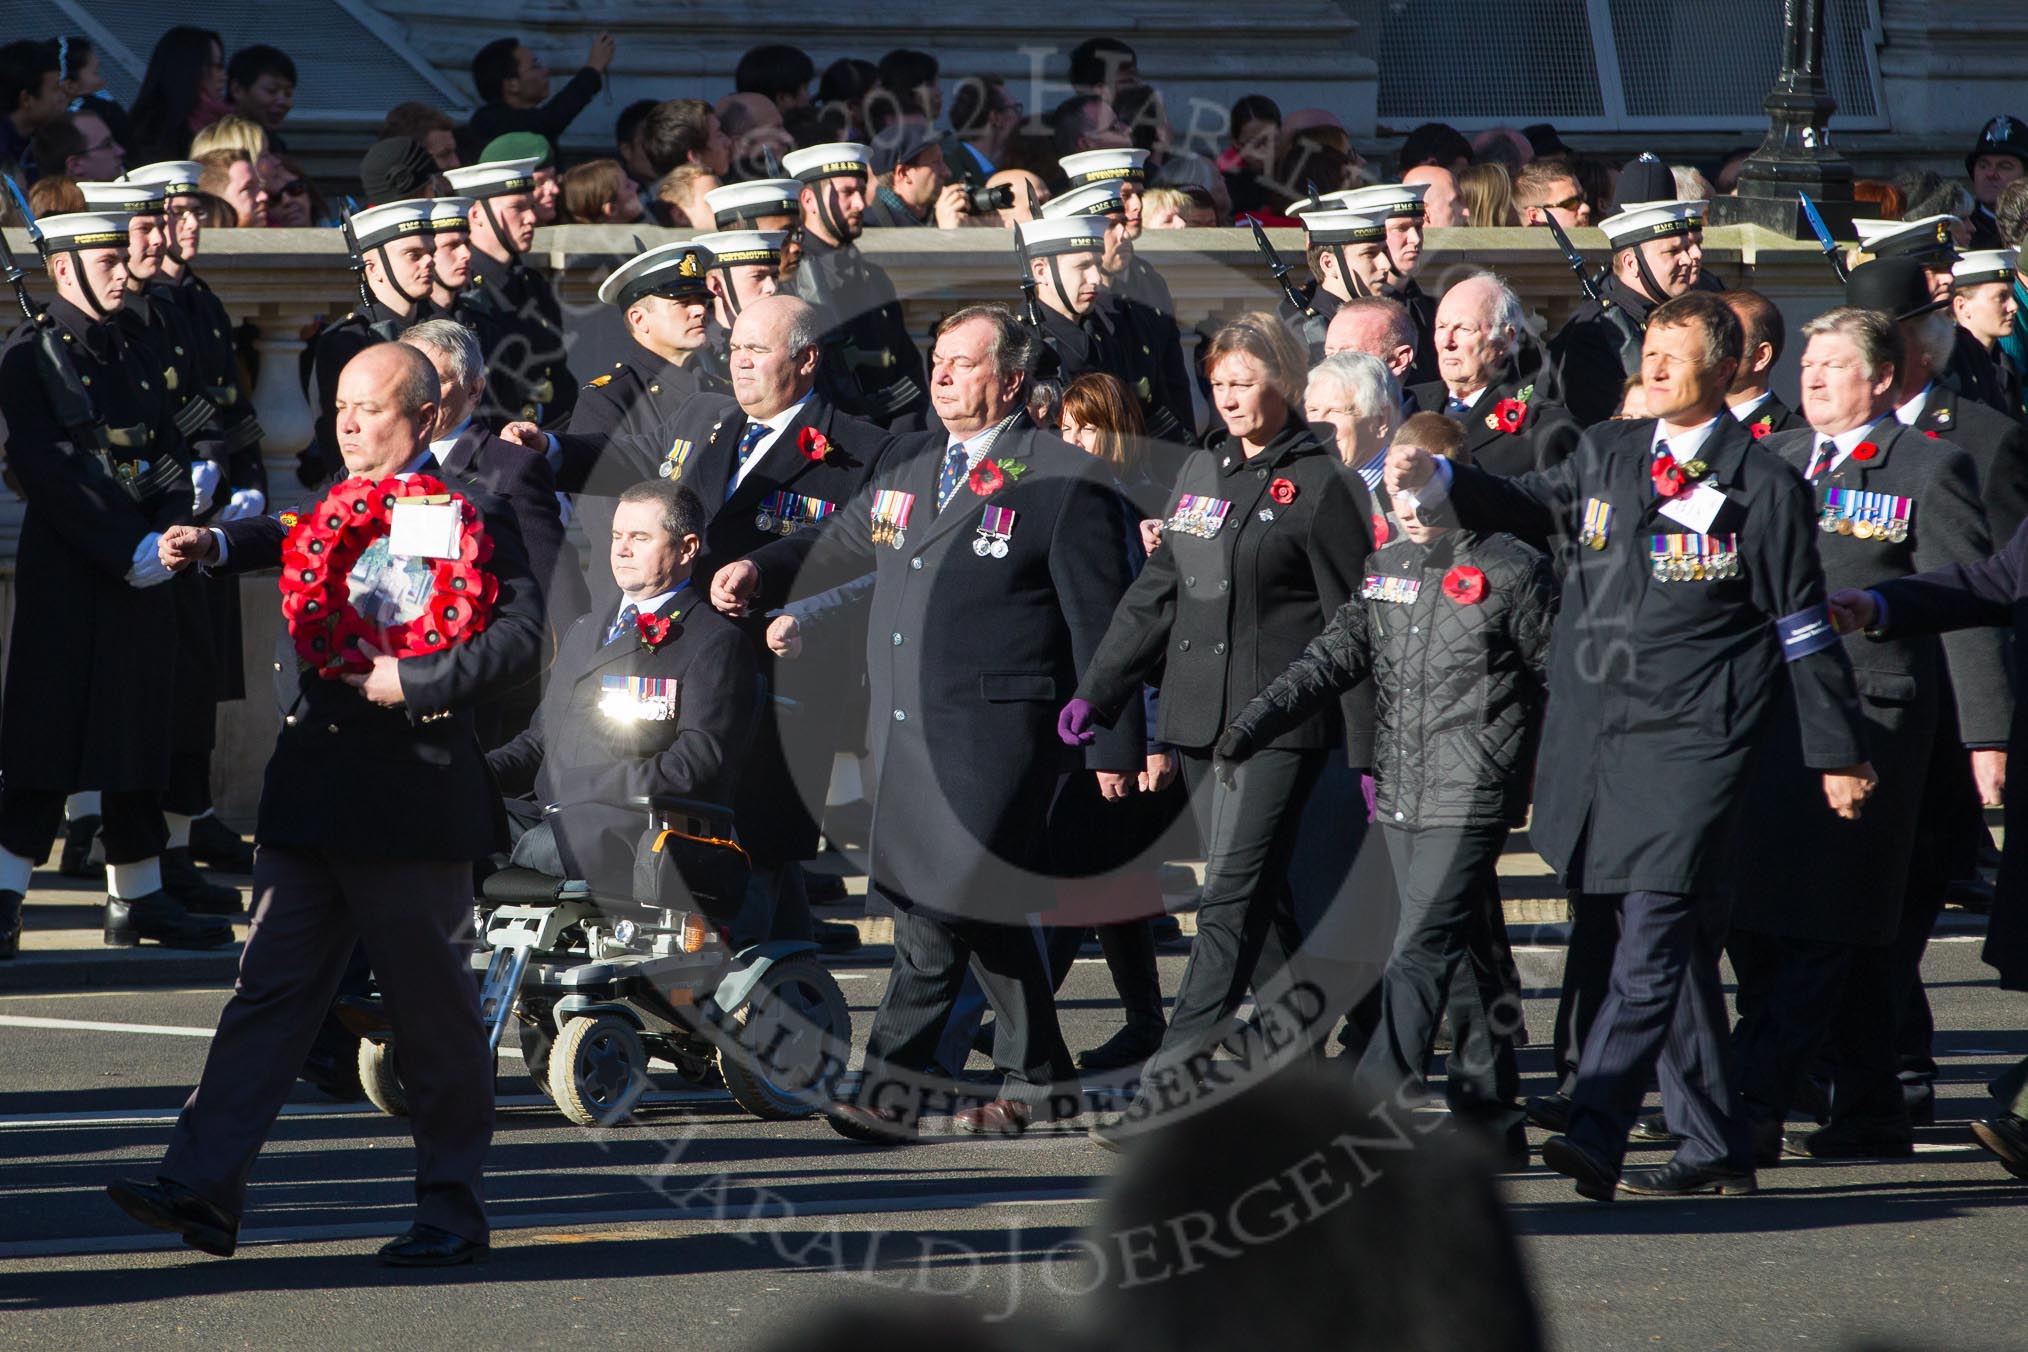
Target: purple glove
[{"x": 1074, "y": 724}]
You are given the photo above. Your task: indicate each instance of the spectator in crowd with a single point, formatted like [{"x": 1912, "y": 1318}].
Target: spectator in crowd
[
  {"x": 1025, "y": 208},
  {"x": 1548, "y": 187},
  {"x": 983, "y": 116},
  {"x": 1599, "y": 178},
  {"x": 627, "y": 129},
  {"x": 1877, "y": 198},
  {"x": 397, "y": 168},
  {"x": 215, "y": 213},
  {"x": 841, "y": 96},
  {"x": 513, "y": 88},
  {"x": 1999, "y": 157},
  {"x": 1382, "y": 328},
  {"x": 260, "y": 83},
  {"x": 1440, "y": 205},
  {"x": 1165, "y": 209},
  {"x": 1502, "y": 146},
  {"x": 293, "y": 199},
  {"x": 681, "y": 192},
  {"x": 430, "y": 128},
  {"x": 1256, "y": 127},
  {"x": 231, "y": 132},
  {"x": 908, "y": 79},
  {"x": 79, "y": 146},
  {"x": 182, "y": 93},
  {"x": 31, "y": 90},
  {"x": 1086, "y": 122},
  {"x": 1726, "y": 181},
  {"x": 753, "y": 126},
  {"x": 599, "y": 192},
  {"x": 55, "y": 195},
  {"x": 777, "y": 72},
  {"x": 686, "y": 131},
  {"x": 1947, "y": 199},
  {"x": 230, "y": 176},
  {"x": 84, "y": 86},
  {"x": 912, "y": 183},
  {"x": 1487, "y": 196},
  {"x": 2011, "y": 214},
  {"x": 1691, "y": 186},
  {"x": 1435, "y": 143},
  {"x": 1104, "y": 66}
]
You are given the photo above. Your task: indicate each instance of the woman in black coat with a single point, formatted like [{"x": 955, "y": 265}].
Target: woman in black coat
[{"x": 1263, "y": 541}]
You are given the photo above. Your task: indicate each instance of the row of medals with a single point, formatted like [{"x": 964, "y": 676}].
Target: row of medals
[
  {"x": 1892, "y": 531},
  {"x": 1694, "y": 570}
]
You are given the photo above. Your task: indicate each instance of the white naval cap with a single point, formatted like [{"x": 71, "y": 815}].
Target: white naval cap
[
  {"x": 833, "y": 159},
  {"x": 743, "y": 248},
  {"x": 84, "y": 230},
  {"x": 1382, "y": 199},
  {"x": 1126, "y": 165},
  {"x": 494, "y": 178},
  {"x": 1326, "y": 225},
  {"x": 745, "y": 203},
  {"x": 450, "y": 213},
  {"x": 391, "y": 220},
  {"x": 1928, "y": 238},
  {"x": 177, "y": 178},
  {"x": 130, "y": 199},
  {"x": 1061, "y": 235},
  {"x": 1651, "y": 220},
  {"x": 1985, "y": 265},
  {"x": 665, "y": 270},
  {"x": 1093, "y": 199}
]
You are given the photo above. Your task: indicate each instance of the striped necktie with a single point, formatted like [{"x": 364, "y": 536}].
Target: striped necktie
[{"x": 1826, "y": 452}]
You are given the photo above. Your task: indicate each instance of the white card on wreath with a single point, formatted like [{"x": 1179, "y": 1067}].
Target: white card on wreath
[
  {"x": 1698, "y": 510},
  {"x": 424, "y": 530}
]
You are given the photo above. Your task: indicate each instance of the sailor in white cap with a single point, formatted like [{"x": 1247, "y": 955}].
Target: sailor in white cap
[
  {"x": 450, "y": 256},
  {"x": 872, "y": 367},
  {"x": 1657, "y": 254},
  {"x": 1348, "y": 258},
  {"x": 1400, "y": 207},
  {"x": 742, "y": 266},
  {"x": 1933, "y": 241},
  {"x": 509, "y": 304},
  {"x": 762, "y": 204},
  {"x": 662, "y": 297},
  {"x": 1985, "y": 300},
  {"x": 92, "y": 448}
]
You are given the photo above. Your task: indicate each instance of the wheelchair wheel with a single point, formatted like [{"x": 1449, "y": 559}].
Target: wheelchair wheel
[
  {"x": 535, "y": 1048},
  {"x": 598, "y": 1070},
  {"x": 380, "y": 1077},
  {"x": 789, "y": 1041}
]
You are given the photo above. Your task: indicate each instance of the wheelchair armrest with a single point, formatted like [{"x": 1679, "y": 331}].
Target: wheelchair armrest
[{"x": 669, "y": 802}]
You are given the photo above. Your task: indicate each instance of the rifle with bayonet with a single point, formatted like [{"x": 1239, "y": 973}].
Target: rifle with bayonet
[
  {"x": 1631, "y": 336},
  {"x": 1832, "y": 253},
  {"x": 1281, "y": 272}
]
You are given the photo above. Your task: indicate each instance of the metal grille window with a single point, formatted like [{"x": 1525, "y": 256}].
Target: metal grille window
[
  {"x": 352, "y": 62},
  {"x": 1611, "y": 65}
]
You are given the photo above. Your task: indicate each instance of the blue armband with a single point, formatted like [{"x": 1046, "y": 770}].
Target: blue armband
[{"x": 1805, "y": 632}]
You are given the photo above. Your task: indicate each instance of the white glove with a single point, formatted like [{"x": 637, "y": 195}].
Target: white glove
[
  {"x": 244, "y": 502},
  {"x": 205, "y": 477},
  {"x": 148, "y": 569}
]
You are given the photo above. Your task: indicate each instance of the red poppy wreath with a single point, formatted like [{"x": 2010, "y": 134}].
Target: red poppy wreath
[{"x": 326, "y": 543}]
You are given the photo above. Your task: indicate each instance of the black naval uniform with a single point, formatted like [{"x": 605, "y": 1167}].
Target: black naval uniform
[
  {"x": 973, "y": 646},
  {"x": 1999, "y": 449},
  {"x": 1421, "y": 307},
  {"x": 368, "y": 324},
  {"x": 1545, "y": 435},
  {"x": 90, "y": 655},
  {"x": 1144, "y": 298},
  {"x": 520, "y": 325},
  {"x": 1112, "y": 339},
  {"x": 640, "y": 393},
  {"x": 1597, "y": 348},
  {"x": 1311, "y": 328},
  {"x": 1661, "y": 685},
  {"x": 1220, "y": 610},
  {"x": 872, "y": 368},
  {"x": 712, "y": 363},
  {"x": 1815, "y": 916}
]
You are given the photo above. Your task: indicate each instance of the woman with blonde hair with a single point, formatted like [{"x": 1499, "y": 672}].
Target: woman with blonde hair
[
  {"x": 1488, "y": 195},
  {"x": 1265, "y": 538}
]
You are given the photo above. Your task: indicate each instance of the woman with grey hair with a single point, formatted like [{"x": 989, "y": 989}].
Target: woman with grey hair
[{"x": 1361, "y": 400}]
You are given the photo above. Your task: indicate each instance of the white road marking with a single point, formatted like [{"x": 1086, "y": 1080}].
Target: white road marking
[
  {"x": 141, "y": 1117},
  {"x": 95, "y": 1026},
  {"x": 738, "y": 1209}
]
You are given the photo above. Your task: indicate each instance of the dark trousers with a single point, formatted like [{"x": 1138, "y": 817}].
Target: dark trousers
[
  {"x": 931, "y": 953},
  {"x": 1664, "y": 1007},
  {"x": 1587, "y": 973},
  {"x": 1129, "y": 949},
  {"x": 189, "y": 790},
  {"x": 1793, "y": 995},
  {"x": 130, "y": 823},
  {"x": 1914, "y": 1027},
  {"x": 1246, "y": 924},
  {"x": 1443, "y": 949},
  {"x": 2010, "y": 1089},
  {"x": 311, "y": 908}
]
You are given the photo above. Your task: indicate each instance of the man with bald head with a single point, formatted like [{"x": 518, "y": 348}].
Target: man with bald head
[
  {"x": 376, "y": 802},
  {"x": 1379, "y": 327},
  {"x": 1511, "y": 424},
  {"x": 1441, "y": 208}
]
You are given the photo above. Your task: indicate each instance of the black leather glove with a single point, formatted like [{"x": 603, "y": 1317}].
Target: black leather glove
[{"x": 1233, "y": 748}]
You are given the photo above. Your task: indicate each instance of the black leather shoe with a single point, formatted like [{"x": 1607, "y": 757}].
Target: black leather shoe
[
  {"x": 1594, "y": 1176},
  {"x": 216, "y": 845},
  {"x": 1551, "y": 1112},
  {"x": 192, "y": 890},
  {"x": 1849, "y": 1143},
  {"x": 170, "y": 1206},
  {"x": 835, "y": 936},
  {"x": 873, "y": 1126},
  {"x": 427, "y": 1246},
  {"x": 76, "y": 860},
  {"x": 2007, "y": 1137},
  {"x": 10, "y": 924},
  {"x": 157, "y": 917},
  {"x": 1677, "y": 1179},
  {"x": 1128, "y": 1047},
  {"x": 1654, "y": 1130}
]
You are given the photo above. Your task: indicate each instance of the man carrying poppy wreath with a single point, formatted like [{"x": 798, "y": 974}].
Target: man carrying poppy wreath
[
  {"x": 1694, "y": 589},
  {"x": 652, "y": 693},
  {"x": 375, "y": 804},
  {"x": 1454, "y": 627}
]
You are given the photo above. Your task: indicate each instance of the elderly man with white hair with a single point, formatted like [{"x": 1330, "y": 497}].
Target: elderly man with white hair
[
  {"x": 1511, "y": 424},
  {"x": 1360, "y": 398}
]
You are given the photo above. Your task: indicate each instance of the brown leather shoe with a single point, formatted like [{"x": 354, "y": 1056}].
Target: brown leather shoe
[
  {"x": 996, "y": 1117},
  {"x": 873, "y": 1126}
]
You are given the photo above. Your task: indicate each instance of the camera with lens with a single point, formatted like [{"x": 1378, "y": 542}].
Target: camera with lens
[{"x": 979, "y": 201}]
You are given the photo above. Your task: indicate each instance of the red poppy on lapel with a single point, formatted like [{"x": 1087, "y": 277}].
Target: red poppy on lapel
[
  {"x": 1509, "y": 414},
  {"x": 1282, "y": 491},
  {"x": 1465, "y": 584},
  {"x": 1865, "y": 450},
  {"x": 656, "y": 630}
]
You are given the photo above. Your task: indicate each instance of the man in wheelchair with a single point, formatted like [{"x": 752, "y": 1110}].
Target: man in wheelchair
[{"x": 652, "y": 696}]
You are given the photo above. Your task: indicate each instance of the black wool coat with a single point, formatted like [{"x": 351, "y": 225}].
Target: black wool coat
[{"x": 1545, "y": 434}]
